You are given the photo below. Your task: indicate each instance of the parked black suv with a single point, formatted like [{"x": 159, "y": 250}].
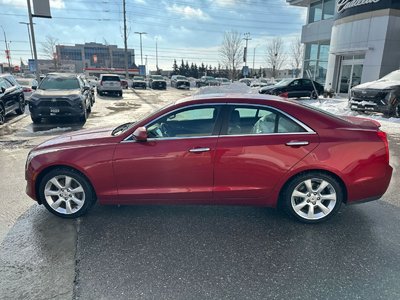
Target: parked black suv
[
  {"x": 382, "y": 95},
  {"x": 157, "y": 82},
  {"x": 60, "y": 95},
  {"x": 11, "y": 97},
  {"x": 294, "y": 88}
]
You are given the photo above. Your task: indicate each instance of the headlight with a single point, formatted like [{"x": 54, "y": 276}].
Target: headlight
[{"x": 75, "y": 97}]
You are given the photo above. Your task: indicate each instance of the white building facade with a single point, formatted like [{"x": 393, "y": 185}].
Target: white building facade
[{"x": 348, "y": 42}]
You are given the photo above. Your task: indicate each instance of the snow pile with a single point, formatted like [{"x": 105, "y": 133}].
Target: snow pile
[{"x": 235, "y": 88}]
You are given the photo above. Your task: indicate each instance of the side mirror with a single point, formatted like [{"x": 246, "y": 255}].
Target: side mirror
[
  {"x": 3, "y": 90},
  {"x": 34, "y": 87},
  {"x": 140, "y": 134}
]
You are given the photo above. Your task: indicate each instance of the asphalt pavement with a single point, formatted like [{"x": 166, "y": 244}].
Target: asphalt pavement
[{"x": 195, "y": 252}]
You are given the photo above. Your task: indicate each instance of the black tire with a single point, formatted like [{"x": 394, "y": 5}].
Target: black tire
[
  {"x": 89, "y": 108},
  {"x": 21, "y": 108},
  {"x": 120, "y": 94},
  {"x": 36, "y": 120},
  {"x": 65, "y": 191},
  {"x": 310, "y": 208},
  {"x": 83, "y": 118},
  {"x": 314, "y": 95},
  {"x": 2, "y": 115},
  {"x": 396, "y": 111}
]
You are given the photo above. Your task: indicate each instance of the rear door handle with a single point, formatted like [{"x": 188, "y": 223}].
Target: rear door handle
[
  {"x": 199, "y": 150},
  {"x": 297, "y": 143}
]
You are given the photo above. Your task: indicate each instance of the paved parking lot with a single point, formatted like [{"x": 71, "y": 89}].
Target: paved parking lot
[{"x": 186, "y": 252}]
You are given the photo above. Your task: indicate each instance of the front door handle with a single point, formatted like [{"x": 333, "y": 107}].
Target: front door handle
[
  {"x": 199, "y": 150},
  {"x": 297, "y": 143}
]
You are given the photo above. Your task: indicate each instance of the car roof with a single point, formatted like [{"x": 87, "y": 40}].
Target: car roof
[{"x": 236, "y": 97}]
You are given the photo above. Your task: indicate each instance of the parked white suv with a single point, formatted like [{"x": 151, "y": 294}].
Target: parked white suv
[{"x": 109, "y": 83}]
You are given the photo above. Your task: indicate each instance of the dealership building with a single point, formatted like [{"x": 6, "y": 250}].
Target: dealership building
[{"x": 348, "y": 42}]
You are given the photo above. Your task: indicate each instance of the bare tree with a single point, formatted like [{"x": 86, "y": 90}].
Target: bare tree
[
  {"x": 49, "y": 49},
  {"x": 296, "y": 53},
  {"x": 231, "y": 52},
  {"x": 275, "y": 55}
]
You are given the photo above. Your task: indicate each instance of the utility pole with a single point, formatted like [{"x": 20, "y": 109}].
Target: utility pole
[
  {"x": 247, "y": 39},
  {"x": 125, "y": 42},
  {"x": 29, "y": 35},
  {"x": 254, "y": 57},
  {"x": 33, "y": 41},
  {"x": 7, "y": 50},
  {"x": 141, "y": 49},
  {"x": 146, "y": 64},
  {"x": 156, "y": 55}
]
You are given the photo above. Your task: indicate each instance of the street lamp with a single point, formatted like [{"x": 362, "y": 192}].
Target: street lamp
[
  {"x": 29, "y": 35},
  {"x": 141, "y": 50}
]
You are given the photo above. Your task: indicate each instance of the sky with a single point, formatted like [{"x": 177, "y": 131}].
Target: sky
[{"x": 191, "y": 30}]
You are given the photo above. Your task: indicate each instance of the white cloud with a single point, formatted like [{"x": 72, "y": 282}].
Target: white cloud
[
  {"x": 188, "y": 12},
  {"x": 57, "y": 4},
  {"x": 225, "y": 2}
]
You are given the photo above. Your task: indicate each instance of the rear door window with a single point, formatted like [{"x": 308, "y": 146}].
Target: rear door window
[{"x": 110, "y": 78}]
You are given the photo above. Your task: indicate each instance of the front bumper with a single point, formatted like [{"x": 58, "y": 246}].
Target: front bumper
[
  {"x": 64, "y": 108},
  {"x": 182, "y": 85},
  {"x": 160, "y": 85},
  {"x": 362, "y": 105},
  {"x": 139, "y": 85}
]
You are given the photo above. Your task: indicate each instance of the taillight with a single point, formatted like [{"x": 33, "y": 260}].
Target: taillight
[
  {"x": 27, "y": 90},
  {"x": 382, "y": 135},
  {"x": 284, "y": 95}
]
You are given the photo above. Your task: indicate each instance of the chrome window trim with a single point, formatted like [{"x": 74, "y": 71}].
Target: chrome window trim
[{"x": 301, "y": 124}]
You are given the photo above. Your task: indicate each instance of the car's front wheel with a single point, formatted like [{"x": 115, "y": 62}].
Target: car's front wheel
[
  {"x": 66, "y": 193},
  {"x": 2, "y": 115},
  {"x": 313, "y": 197},
  {"x": 21, "y": 106},
  {"x": 314, "y": 95}
]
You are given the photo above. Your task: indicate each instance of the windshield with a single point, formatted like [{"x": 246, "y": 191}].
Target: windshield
[
  {"x": 138, "y": 78},
  {"x": 181, "y": 77},
  {"x": 394, "y": 76},
  {"x": 59, "y": 83},
  {"x": 157, "y": 77}
]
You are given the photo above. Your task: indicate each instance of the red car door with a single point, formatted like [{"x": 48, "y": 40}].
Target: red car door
[
  {"x": 175, "y": 164},
  {"x": 257, "y": 147}
]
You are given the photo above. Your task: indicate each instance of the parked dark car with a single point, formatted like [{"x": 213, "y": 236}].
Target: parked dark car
[
  {"x": 139, "y": 82},
  {"x": 11, "y": 97},
  {"x": 207, "y": 81},
  {"x": 60, "y": 95},
  {"x": 294, "y": 88},
  {"x": 382, "y": 95},
  {"x": 236, "y": 150},
  {"x": 180, "y": 82},
  {"x": 157, "y": 82}
]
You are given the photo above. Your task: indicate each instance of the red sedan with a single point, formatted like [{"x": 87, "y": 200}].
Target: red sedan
[{"x": 228, "y": 149}]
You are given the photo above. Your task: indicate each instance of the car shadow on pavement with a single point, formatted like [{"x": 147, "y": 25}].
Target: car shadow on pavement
[{"x": 203, "y": 252}]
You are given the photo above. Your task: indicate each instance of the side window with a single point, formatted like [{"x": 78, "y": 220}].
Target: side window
[
  {"x": 307, "y": 82},
  {"x": 4, "y": 83},
  {"x": 259, "y": 120},
  {"x": 189, "y": 122}
]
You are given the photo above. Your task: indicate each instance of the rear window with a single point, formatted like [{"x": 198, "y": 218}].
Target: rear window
[
  {"x": 110, "y": 78},
  {"x": 23, "y": 82},
  {"x": 59, "y": 83}
]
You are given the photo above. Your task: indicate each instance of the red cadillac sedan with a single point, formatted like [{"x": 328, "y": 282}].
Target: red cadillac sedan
[{"x": 217, "y": 149}]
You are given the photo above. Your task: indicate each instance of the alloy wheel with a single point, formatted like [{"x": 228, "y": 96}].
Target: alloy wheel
[
  {"x": 64, "y": 194},
  {"x": 313, "y": 199}
]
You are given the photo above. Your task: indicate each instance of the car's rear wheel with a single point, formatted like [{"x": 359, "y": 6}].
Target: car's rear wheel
[
  {"x": 83, "y": 118},
  {"x": 2, "y": 115},
  {"x": 66, "y": 193},
  {"x": 21, "y": 106},
  {"x": 396, "y": 112},
  {"x": 314, "y": 95},
  {"x": 313, "y": 197}
]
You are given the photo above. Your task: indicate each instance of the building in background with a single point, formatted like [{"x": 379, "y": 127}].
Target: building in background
[
  {"x": 96, "y": 58},
  {"x": 348, "y": 42}
]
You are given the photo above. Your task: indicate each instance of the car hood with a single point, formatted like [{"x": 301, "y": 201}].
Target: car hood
[
  {"x": 378, "y": 85},
  {"x": 56, "y": 93},
  {"x": 78, "y": 138},
  {"x": 139, "y": 81}
]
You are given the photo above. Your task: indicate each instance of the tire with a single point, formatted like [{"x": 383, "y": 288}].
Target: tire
[
  {"x": 2, "y": 115},
  {"x": 66, "y": 193},
  {"x": 35, "y": 120},
  {"x": 302, "y": 199},
  {"x": 21, "y": 108},
  {"x": 396, "y": 112},
  {"x": 84, "y": 117},
  {"x": 314, "y": 95},
  {"x": 120, "y": 94}
]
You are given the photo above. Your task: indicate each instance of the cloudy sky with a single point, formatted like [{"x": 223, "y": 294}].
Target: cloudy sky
[{"x": 185, "y": 29}]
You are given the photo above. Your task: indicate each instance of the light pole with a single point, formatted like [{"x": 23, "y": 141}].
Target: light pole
[
  {"x": 29, "y": 35},
  {"x": 7, "y": 50},
  {"x": 254, "y": 55},
  {"x": 157, "y": 55},
  {"x": 141, "y": 49},
  {"x": 247, "y": 39},
  {"x": 37, "y": 71}
]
